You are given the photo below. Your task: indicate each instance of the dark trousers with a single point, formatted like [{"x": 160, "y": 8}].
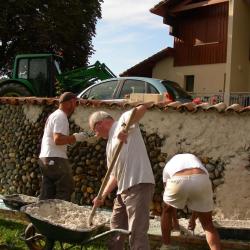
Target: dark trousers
[
  {"x": 131, "y": 212},
  {"x": 57, "y": 179}
]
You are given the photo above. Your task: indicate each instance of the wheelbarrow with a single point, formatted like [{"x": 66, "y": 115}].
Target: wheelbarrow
[
  {"x": 16, "y": 201},
  {"x": 50, "y": 224}
]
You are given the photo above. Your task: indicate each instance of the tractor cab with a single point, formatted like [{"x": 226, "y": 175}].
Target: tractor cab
[
  {"x": 45, "y": 75},
  {"x": 38, "y": 72}
]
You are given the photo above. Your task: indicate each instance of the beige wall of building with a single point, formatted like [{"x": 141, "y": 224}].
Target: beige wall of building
[
  {"x": 238, "y": 50},
  {"x": 234, "y": 75},
  {"x": 208, "y": 78}
]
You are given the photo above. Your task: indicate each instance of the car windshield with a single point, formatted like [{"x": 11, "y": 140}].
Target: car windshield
[
  {"x": 176, "y": 89},
  {"x": 102, "y": 91}
]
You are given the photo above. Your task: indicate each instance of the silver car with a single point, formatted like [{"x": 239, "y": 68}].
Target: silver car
[{"x": 121, "y": 87}]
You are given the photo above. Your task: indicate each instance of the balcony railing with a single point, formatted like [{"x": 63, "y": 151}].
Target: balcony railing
[{"x": 242, "y": 98}]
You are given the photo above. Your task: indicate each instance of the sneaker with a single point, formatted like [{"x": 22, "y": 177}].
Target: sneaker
[{"x": 169, "y": 247}]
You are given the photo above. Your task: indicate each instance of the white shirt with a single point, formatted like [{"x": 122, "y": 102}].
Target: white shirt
[
  {"x": 180, "y": 162},
  {"x": 57, "y": 122},
  {"x": 132, "y": 166}
]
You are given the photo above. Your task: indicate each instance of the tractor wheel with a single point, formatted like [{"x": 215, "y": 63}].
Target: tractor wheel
[
  {"x": 14, "y": 89},
  {"x": 34, "y": 240}
]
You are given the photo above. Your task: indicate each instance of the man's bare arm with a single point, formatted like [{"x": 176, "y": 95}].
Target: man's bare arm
[
  {"x": 140, "y": 111},
  {"x": 111, "y": 185},
  {"x": 61, "y": 139}
]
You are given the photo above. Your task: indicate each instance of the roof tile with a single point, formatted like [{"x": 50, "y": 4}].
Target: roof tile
[{"x": 163, "y": 106}]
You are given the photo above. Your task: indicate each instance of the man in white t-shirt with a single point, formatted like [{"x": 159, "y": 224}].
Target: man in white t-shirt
[
  {"x": 57, "y": 179},
  {"x": 132, "y": 175},
  {"x": 187, "y": 183}
]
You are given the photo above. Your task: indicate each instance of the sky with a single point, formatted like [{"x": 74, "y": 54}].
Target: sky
[{"x": 128, "y": 33}]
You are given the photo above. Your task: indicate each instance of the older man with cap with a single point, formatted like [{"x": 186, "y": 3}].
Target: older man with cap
[
  {"x": 57, "y": 179},
  {"x": 132, "y": 175}
]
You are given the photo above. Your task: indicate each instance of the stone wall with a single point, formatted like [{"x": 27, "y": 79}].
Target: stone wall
[{"x": 221, "y": 140}]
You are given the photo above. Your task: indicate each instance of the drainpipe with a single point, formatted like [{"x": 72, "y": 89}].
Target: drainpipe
[{"x": 229, "y": 52}]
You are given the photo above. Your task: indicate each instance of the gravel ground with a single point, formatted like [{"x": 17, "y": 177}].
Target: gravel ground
[{"x": 155, "y": 227}]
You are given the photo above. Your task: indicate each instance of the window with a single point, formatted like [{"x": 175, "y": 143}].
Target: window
[
  {"x": 152, "y": 89},
  {"x": 23, "y": 68},
  {"x": 38, "y": 69},
  {"x": 38, "y": 75},
  {"x": 102, "y": 91},
  {"x": 189, "y": 83},
  {"x": 132, "y": 86}
]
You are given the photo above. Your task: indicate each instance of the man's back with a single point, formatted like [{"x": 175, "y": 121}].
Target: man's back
[{"x": 57, "y": 122}]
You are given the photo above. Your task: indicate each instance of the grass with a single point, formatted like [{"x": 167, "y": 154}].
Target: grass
[{"x": 10, "y": 233}]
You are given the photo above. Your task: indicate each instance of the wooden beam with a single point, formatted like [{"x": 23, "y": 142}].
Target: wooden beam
[{"x": 190, "y": 6}]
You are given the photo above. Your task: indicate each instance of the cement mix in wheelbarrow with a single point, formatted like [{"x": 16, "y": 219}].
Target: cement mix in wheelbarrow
[
  {"x": 16, "y": 201},
  {"x": 65, "y": 214}
]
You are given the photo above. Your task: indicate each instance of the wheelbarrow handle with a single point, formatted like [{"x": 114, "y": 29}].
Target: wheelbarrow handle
[{"x": 107, "y": 175}]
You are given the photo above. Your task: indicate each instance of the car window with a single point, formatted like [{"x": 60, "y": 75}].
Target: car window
[
  {"x": 132, "y": 86},
  {"x": 102, "y": 91},
  {"x": 176, "y": 90},
  {"x": 152, "y": 89}
]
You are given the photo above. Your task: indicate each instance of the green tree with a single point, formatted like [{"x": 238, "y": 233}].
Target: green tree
[{"x": 42, "y": 26}]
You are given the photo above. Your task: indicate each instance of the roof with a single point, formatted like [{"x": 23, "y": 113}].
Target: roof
[
  {"x": 190, "y": 107},
  {"x": 145, "y": 67},
  {"x": 160, "y": 9},
  {"x": 171, "y": 7}
]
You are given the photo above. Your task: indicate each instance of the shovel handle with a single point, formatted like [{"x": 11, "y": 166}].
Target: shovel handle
[{"x": 107, "y": 175}]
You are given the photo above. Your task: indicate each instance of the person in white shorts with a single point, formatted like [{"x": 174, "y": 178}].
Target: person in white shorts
[{"x": 187, "y": 183}]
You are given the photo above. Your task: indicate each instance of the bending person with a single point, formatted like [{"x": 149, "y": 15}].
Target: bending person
[{"x": 187, "y": 183}]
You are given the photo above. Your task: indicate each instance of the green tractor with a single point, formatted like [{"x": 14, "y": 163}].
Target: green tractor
[{"x": 43, "y": 75}]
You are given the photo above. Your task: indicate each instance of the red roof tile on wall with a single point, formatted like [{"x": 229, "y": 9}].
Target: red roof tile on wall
[{"x": 163, "y": 106}]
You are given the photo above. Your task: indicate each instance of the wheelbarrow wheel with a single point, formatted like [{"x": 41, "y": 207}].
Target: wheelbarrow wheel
[{"x": 34, "y": 240}]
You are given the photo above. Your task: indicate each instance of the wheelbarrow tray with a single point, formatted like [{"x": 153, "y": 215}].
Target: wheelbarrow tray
[
  {"x": 57, "y": 232},
  {"x": 62, "y": 234},
  {"x": 234, "y": 229},
  {"x": 16, "y": 201}
]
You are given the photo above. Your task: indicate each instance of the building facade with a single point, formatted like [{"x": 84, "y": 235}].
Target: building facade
[{"x": 211, "y": 52}]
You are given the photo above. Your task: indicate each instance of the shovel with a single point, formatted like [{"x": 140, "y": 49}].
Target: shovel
[{"x": 107, "y": 175}]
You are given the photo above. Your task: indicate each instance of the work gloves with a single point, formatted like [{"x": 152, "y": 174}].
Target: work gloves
[{"x": 82, "y": 136}]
